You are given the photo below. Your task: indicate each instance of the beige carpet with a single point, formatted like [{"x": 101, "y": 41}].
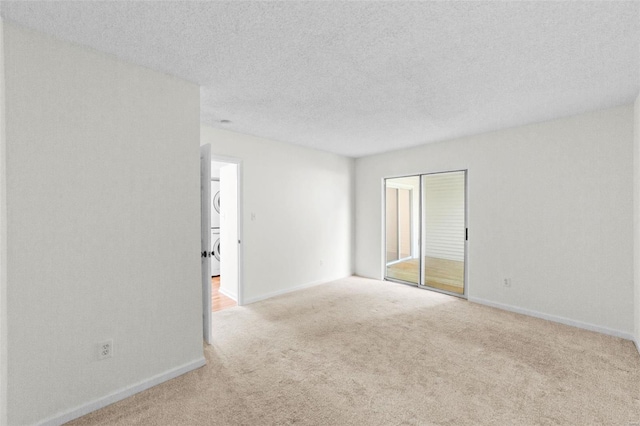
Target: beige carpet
[{"x": 364, "y": 352}]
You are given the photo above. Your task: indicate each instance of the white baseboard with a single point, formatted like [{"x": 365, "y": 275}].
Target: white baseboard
[
  {"x": 637, "y": 345},
  {"x": 121, "y": 394},
  {"x": 554, "y": 318},
  {"x": 228, "y": 294},
  {"x": 289, "y": 290}
]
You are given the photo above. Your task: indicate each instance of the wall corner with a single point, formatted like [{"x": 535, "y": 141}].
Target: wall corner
[
  {"x": 3, "y": 240},
  {"x": 636, "y": 221}
]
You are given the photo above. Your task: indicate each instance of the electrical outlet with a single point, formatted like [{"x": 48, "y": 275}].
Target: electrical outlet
[
  {"x": 507, "y": 282},
  {"x": 105, "y": 349}
]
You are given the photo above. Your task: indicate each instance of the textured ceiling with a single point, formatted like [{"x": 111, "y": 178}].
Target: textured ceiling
[{"x": 358, "y": 78}]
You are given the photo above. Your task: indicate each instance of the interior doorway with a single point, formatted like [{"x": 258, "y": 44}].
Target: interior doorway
[
  {"x": 426, "y": 231},
  {"x": 225, "y": 239},
  {"x": 221, "y": 235}
]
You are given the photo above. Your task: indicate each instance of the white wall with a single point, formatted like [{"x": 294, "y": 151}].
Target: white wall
[
  {"x": 103, "y": 230},
  {"x": 215, "y": 168},
  {"x": 636, "y": 218},
  {"x": 549, "y": 205},
  {"x": 3, "y": 240},
  {"x": 302, "y": 206}
]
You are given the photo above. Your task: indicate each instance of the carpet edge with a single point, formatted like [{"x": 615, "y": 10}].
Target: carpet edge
[
  {"x": 121, "y": 394},
  {"x": 555, "y": 318},
  {"x": 266, "y": 296}
]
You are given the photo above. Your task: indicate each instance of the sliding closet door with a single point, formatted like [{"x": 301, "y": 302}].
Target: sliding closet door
[
  {"x": 402, "y": 230},
  {"x": 444, "y": 231}
]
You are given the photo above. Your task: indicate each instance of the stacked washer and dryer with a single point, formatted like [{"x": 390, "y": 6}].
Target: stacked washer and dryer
[{"x": 215, "y": 227}]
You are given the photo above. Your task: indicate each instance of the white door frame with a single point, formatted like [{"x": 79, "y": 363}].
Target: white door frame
[
  {"x": 205, "y": 239},
  {"x": 238, "y": 163}
]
